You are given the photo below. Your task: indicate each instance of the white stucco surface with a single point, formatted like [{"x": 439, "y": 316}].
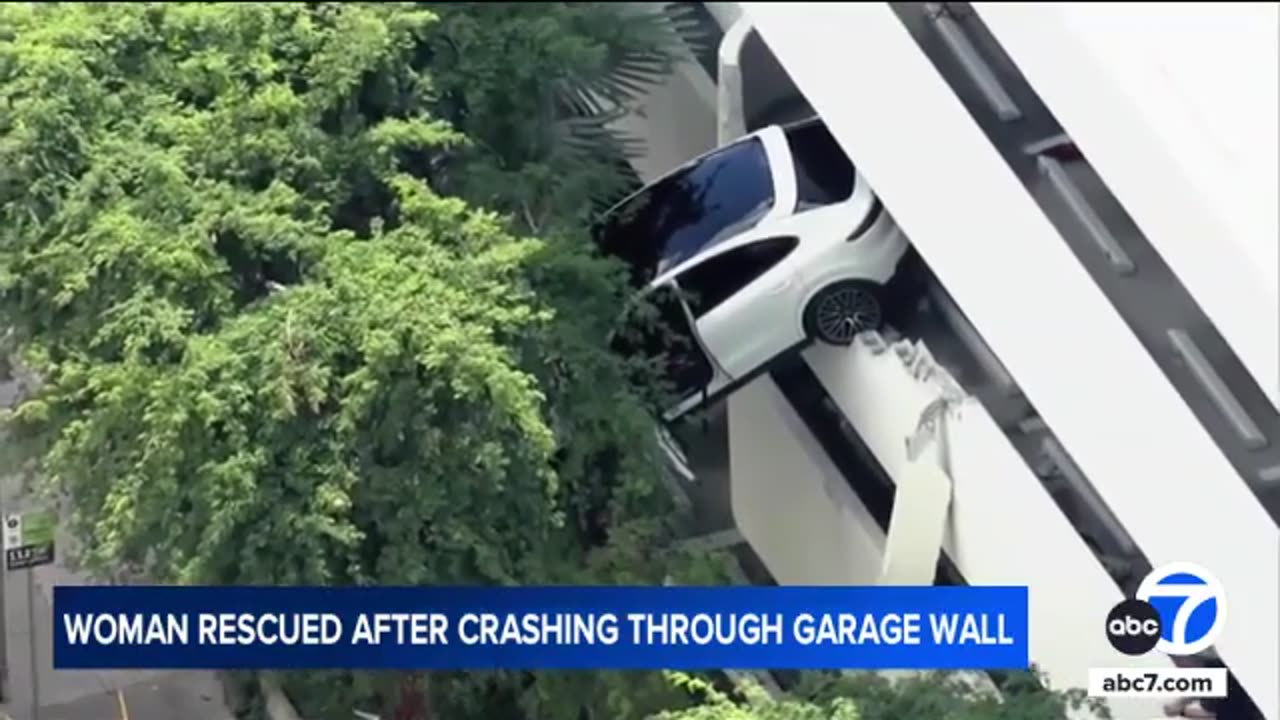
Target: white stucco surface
[
  {"x": 1004, "y": 527},
  {"x": 1060, "y": 338},
  {"x": 1177, "y": 110},
  {"x": 790, "y": 502}
]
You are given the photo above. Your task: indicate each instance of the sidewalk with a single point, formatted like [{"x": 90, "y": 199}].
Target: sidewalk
[
  {"x": 57, "y": 687},
  {"x": 88, "y": 694},
  {"x": 171, "y": 696},
  {"x": 81, "y": 694}
]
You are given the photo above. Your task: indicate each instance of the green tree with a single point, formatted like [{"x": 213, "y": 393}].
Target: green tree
[
  {"x": 873, "y": 696},
  {"x": 541, "y": 111},
  {"x": 272, "y": 349},
  {"x": 753, "y": 702}
]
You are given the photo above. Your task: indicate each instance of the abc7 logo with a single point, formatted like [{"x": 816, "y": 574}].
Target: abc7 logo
[{"x": 1179, "y": 609}]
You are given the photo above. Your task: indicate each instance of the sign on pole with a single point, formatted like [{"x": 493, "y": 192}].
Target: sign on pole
[{"x": 28, "y": 539}]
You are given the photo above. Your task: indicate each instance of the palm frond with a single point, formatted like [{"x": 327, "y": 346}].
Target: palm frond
[
  {"x": 597, "y": 136},
  {"x": 644, "y": 43}
]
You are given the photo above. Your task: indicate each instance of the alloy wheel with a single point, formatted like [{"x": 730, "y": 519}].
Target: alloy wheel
[{"x": 844, "y": 312}]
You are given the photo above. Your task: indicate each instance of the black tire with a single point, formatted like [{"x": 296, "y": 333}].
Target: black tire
[{"x": 842, "y": 310}]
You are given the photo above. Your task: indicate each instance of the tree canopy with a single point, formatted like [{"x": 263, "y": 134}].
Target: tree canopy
[
  {"x": 271, "y": 350},
  {"x": 755, "y": 703},
  {"x": 942, "y": 695},
  {"x": 275, "y": 342}
]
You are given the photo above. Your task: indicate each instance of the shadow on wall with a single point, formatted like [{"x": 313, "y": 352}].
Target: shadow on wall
[{"x": 769, "y": 96}]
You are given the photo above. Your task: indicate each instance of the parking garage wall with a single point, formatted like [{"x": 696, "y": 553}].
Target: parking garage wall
[
  {"x": 1062, "y": 341},
  {"x": 1005, "y": 529},
  {"x": 790, "y": 502},
  {"x": 1177, "y": 111}
]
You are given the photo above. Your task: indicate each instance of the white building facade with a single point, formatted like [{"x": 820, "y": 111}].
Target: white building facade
[{"x": 1082, "y": 380}]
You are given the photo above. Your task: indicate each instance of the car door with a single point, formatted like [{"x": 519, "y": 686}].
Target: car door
[
  {"x": 658, "y": 328},
  {"x": 744, "y": 303}
]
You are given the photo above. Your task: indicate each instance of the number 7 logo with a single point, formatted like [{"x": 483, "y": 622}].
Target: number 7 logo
[{"x": 1192, "y": 606}]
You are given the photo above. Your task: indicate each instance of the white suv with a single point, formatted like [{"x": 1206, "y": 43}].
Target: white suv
[{"x": 750, "y": 251}]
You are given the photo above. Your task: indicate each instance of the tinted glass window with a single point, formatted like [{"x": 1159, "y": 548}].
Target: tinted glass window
[
  {"x": 710, "y": 283},
  {"x": 824, "y": 174},
  {"x": 656, "y": 328},
  {"x": 690, "y": 210}
]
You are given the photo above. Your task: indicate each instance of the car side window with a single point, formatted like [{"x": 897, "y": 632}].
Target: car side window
[
  {"x": 824, "y": 174},
  {"x": 717, "y": 278}
]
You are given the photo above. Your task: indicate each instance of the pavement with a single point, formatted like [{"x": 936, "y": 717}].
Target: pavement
[
  {"x": 167, "y": 696},
  {"x": 79, "y": 694},
  {"x": 88, "y": 694}
]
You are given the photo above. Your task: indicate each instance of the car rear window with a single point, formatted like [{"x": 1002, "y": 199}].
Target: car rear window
[{"x": 824, "y": 174}]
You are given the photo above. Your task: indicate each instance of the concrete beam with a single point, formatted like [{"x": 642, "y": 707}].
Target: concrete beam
[{"x": 1051, "y": 326}]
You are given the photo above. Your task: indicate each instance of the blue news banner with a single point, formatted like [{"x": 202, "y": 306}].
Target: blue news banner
[{"x": 432, "y": 628}]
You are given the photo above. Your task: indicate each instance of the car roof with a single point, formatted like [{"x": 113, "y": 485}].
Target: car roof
[{"x": 725, "y": 234}]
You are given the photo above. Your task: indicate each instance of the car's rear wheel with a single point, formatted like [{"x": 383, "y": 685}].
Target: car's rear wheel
[{"x": 842, "y": 310}]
